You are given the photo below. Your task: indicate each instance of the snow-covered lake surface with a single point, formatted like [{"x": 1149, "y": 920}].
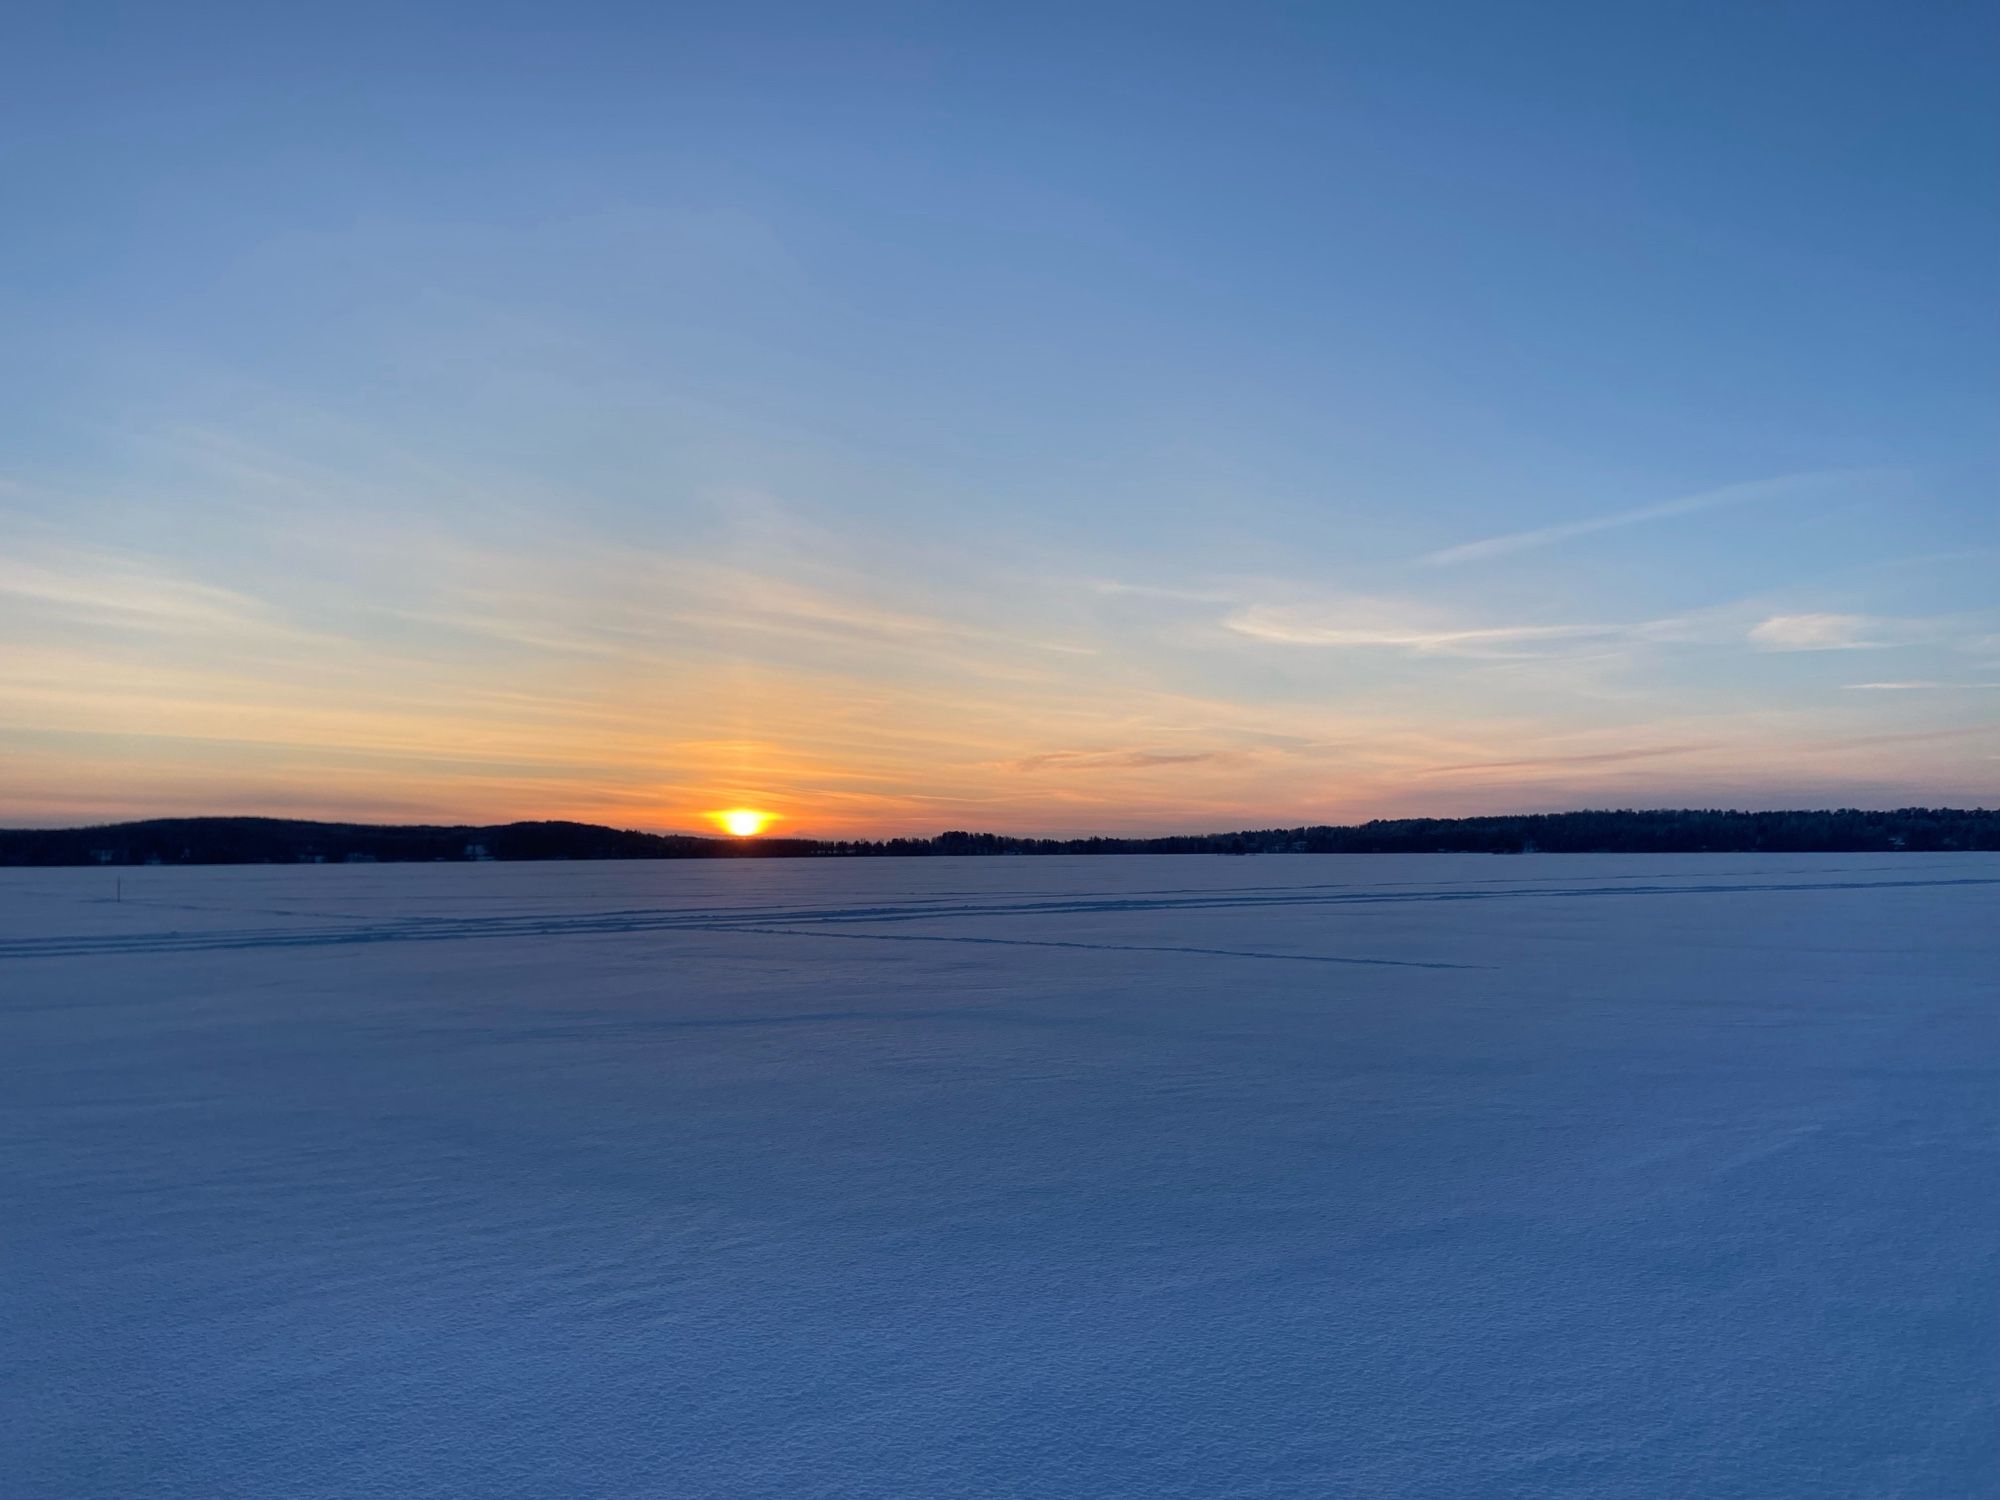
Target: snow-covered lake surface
[{"x": 1124, "y": 1177}]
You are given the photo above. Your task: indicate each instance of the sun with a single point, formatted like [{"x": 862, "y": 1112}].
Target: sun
[{"x": 743, "y": 822}]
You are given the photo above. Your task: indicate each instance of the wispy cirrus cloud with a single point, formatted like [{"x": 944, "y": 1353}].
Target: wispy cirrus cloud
[
  {"x": 1124, "y": 760},
  {"x": 637, "y": 606},
  {"x": 1375, "y": 625},
  {"x": 1911, "y": 737},
  {"x": 1561, "y": 762},
  {"x": 109, "y": 589},
  {"x": 1119, "y": 588},
  {"x": 1920, "y": 685},
  {"x": 1757, "y": 491},
  {"x": 1821, "y": 632}
]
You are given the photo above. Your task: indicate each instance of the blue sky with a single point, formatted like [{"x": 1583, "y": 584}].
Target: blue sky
[{"x": 1041, "y": 418}]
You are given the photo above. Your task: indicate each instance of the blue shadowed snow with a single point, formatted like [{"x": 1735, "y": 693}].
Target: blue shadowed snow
[{"x": 1158, "y": 1177}]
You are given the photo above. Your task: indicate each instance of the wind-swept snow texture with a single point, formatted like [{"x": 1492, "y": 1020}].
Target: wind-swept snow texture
[{"x": 1616, "y": 1177}]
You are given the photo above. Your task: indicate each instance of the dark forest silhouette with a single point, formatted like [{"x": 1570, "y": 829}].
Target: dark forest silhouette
[{"x": 217, "y": 841}]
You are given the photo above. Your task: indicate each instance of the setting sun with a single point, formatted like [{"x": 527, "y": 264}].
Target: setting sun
[{"x": 743, "y": 822}]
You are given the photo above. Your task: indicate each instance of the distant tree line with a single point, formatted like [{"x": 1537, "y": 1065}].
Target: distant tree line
[{"x": 235, "y": 841}]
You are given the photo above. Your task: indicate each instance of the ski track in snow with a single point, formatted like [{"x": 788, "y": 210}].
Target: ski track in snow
[{"x": 779, "y": 921}]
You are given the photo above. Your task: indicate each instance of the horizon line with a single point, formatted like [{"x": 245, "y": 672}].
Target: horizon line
[{"x": 768, "y": 837}]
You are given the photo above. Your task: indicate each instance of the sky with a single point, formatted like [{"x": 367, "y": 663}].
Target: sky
[{"x": 1047, "y": 419}]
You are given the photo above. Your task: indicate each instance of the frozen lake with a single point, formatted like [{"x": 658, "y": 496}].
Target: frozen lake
[{"x": 1660, "y": 1176}]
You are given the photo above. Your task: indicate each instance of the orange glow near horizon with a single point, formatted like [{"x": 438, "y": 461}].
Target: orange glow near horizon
[
  {"x": 743, "y": 822},
  {"x": 585, "y": 684}
]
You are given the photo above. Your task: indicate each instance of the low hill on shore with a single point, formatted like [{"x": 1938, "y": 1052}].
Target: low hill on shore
[{"x": 226, "y": 841}]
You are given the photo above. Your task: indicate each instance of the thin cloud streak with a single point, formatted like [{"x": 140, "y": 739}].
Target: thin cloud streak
[
  {"x": 1078, "y": 760},
  {"x": 1554, "y": 762},
  {"x": 1920, "y": 685},
  {"x": 104, "y": 589},
  {"x": 1785, "y": 487},
  {"x": 1337, "y": 627}
]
